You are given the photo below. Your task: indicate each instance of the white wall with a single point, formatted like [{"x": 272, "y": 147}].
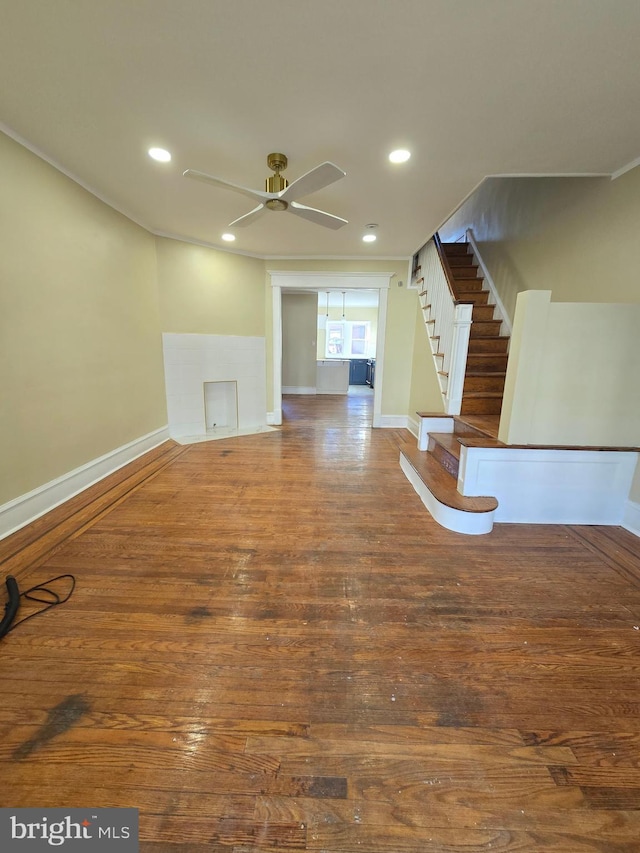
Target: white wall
[{"x": 192, "y": 360}]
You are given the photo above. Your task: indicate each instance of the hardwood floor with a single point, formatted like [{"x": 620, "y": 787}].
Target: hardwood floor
[{"x": 271, "y": 645}]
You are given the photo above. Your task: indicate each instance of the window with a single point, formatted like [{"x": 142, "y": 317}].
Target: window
[
  {"x": 359, "y": 337},
  {"x": 335, "y": 339},
  {"x": 347, "y": 339}
]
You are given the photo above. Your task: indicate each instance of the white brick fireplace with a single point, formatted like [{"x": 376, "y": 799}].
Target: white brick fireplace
[{"x": 214, "y": 383}]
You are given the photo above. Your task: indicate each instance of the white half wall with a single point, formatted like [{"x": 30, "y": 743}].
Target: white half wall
[
  {"x": 547, "y": 486},
  {"x": 192, "y": 360},
  {"x": 572, "y": 375}
]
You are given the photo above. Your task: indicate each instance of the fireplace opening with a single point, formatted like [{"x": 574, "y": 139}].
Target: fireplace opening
[{"x": 221, "y": 406}]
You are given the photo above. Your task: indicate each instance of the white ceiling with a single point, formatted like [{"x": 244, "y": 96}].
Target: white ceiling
[{"x": 472, "y": 87}]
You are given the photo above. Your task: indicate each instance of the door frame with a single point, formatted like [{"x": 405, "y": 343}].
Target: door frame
[{"x": 321, "y": 282}]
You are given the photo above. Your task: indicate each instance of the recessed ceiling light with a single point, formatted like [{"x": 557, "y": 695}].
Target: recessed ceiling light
[
  {"x": 159, "y": 154},
  {"x": 369, "y": 238},
  {"x": 229, "y": 238},
  {"x": 401, "y": 155}
]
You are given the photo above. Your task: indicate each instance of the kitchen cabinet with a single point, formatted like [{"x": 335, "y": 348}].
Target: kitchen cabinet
[{"x": 358, "y": 371}]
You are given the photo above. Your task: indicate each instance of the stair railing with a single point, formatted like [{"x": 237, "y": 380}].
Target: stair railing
[{"x": 448, "y": 323}]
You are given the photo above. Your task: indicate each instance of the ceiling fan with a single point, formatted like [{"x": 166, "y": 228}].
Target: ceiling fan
[{"x": 279, "y": 194}]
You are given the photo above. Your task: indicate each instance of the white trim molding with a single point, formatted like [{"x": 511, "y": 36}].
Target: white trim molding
[
  {"x": 26, "y": 508},
  {"x": 392, "y": 421},
  {"x": 299, "y": 389},
  {"x": 631, "y": 517},
  {"x": 624, "y": 169}
]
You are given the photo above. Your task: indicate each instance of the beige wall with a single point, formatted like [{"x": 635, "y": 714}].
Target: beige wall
[
  {"x": 80, "y": 347},
  {"x": 425, "y": 394},
  {"x": 299, "y": 330},
  {"x": 209, "y": 292},
  {"x": 574, "y": 236},
  {"x": 572, "y": 374}
]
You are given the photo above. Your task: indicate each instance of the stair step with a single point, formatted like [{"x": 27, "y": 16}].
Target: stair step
[
  {"x": 461, "y": 260},
  {"x": 455, "y": 248},
  {"x": 478, "y": 297},
  {"x": 464, "y": 272},
  {"x": 486, "y": 362},
  {"x": 482, "y": 313},
  {"x": 478, "y": 428},
  {"x": 442, "y": 485},
  {"x": 485, "y": 328},
  {"x": 494, "y": 343},
  {"x": 445, "y": 447},
  {"x": 469, "y": 284},
  {"x": 484, "y": 381},
  {"x": 481, "y": 403}
]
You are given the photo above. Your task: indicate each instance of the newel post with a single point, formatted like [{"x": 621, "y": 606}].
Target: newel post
[{"x": 458, "y": 363}]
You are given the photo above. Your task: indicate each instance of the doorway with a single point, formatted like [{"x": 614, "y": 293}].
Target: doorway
[{"x": 327, "y": 283}]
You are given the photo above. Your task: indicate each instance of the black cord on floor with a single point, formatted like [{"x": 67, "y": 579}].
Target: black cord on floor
[{"x": 48, "y": 597}]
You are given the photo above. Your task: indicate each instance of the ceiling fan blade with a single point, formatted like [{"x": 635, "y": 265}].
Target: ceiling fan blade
[
  {"x": 254, "y": 214},
  {"x": 218, "y": 182},
  {"x": 316, "y": 179},
  {"x": 319, "y": 217}
]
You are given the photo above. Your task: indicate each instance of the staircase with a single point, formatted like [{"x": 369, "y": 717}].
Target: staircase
[
  {"x": 434, "y": 473},
  {"x": 463, "y": 474},
  {"x": 487, "y": 355}
]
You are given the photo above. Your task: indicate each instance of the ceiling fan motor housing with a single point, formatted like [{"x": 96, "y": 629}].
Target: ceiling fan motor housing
[{"x": 276, "y": 183}]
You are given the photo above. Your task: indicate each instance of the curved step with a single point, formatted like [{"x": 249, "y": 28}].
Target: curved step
[{"x": 437, "y": 491}]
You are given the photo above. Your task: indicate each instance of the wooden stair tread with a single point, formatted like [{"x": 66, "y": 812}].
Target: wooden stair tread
[
  {"x": 477, "y": 297},
  {"x": 480, "y": 357},
  {"x": 441, "y": 484},
  {"x": 480, "y": 441},
  {"x": 487, "y": 425},
  {"x": 448, "y": 440}
]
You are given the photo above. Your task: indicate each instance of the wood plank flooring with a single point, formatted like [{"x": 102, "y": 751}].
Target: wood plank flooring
[{"x": 272, "y": 646}]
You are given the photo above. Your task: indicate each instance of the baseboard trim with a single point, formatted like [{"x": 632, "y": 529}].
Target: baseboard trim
[
  {"x": 391, "y": 421},
  {"x": 631, "y": 518},
  {"x": 26, "y": 508},
  {"x": 299, "y": 389}
]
